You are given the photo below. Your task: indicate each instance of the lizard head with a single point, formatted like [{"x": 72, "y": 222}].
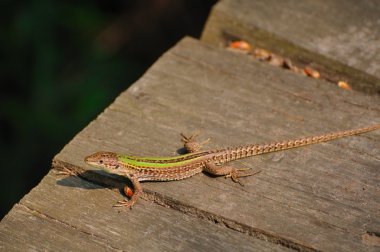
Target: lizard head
[{"x": 107, "y": 160}]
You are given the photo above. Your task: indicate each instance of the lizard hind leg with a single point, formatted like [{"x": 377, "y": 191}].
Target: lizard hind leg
[
  {"x": 228, "y": 172},
  {"x": 235, "y": 175},
  {"x": 190, "y": 143}
]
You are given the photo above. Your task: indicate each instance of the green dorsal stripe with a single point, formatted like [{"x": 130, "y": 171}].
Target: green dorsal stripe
[{"x": 159, "y": 162}]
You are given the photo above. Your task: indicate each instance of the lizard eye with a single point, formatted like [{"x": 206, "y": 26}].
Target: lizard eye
[{"x": 100, "y": 161}]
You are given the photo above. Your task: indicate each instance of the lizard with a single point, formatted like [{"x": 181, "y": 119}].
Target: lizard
[{"x": 138, "y": 169}]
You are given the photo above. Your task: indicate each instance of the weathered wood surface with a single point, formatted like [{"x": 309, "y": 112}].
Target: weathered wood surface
[
  {"x": 321, "y": 197},
  {"x": 75, "y": 215},
  {"x": 340, "y": 38}
]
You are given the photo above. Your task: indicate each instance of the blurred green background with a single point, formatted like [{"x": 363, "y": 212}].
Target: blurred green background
[{"x": 63, "y": 62}]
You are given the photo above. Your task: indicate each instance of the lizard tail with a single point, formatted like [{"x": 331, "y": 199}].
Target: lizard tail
[
  {"x": 326, "y": 137},
  {"x": 252, "y": 150}
]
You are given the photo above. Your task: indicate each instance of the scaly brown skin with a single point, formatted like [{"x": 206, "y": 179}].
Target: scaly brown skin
[{"x": 176, "y": 168}]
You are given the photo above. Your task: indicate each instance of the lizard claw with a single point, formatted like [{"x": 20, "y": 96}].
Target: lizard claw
[
  {"x": 191, "y": 138},
  {"x": 66, "y": 171},
  {"x": 124, "y": 203}
]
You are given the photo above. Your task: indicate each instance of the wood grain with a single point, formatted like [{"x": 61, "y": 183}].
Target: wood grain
[
  {"x": 322, "y": 197},
  {"x": 339, "y": 38},
  {"x": 70, "y": 214}
]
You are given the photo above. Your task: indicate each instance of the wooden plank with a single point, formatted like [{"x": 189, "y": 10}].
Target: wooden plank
[
  {"x": 71, "y": 214},
  {"x": 322, "y": 197},
  {"x": 339, "y": 38},
  {"x": 24, "y": 229}
]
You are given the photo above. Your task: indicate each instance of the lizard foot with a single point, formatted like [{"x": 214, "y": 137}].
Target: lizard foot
[
  {"x": 191, "y": 144},
  {"x": 66, "y": 171},
  {"x": 235, "y": 174},
  {"x": 124, "y": 203},
  {"x": 132, "y": 195}
]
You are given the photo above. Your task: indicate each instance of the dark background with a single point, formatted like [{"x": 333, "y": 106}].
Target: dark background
[{"x": 63, "y": 62}]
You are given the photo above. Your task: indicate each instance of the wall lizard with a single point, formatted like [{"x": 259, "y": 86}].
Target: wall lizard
[{"x": 138, "y": 169}]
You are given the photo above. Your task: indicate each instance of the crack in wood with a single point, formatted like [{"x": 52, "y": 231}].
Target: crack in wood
[
  {"x": 167, "y": 202},
  {"x": 46, "y": 216},
  {"x": 225, "y": 222}
]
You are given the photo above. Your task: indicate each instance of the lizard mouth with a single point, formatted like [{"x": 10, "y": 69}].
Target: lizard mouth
[{"x": 89, "y": 160}]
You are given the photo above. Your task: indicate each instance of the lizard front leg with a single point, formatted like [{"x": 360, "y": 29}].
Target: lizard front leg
[
  {"x": 190, "y": 144},
  {"x": 134, "y": 196},
  {"x": 227, "y": 171}
]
